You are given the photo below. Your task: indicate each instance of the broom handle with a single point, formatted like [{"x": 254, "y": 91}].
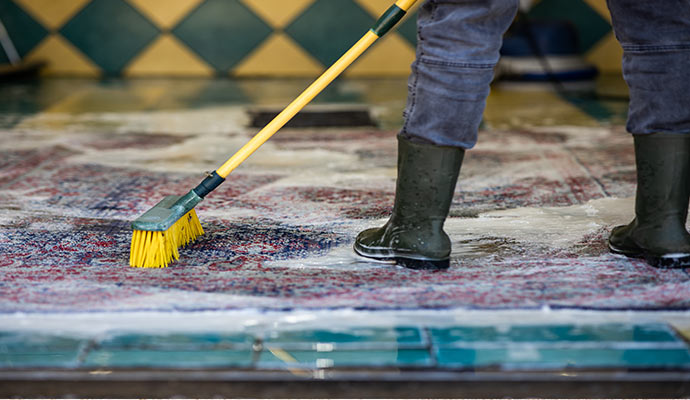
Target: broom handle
[
  {"x": 8, "y": 46},
  {"x": 387, "y": 21}
]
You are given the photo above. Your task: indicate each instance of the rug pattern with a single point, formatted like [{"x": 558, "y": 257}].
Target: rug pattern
[{"x": 278, "y": 235}]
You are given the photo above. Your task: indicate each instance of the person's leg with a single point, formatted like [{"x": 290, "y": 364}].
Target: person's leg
[
  {"x": 458, "y": 44},
  {"x": 655, "y": 36}
]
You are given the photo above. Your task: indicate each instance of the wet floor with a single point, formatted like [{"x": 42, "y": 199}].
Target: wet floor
[{"x": 552, "y": 173}]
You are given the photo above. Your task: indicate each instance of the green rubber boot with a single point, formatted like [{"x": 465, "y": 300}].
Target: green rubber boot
[
  {"x": 658, "y": 232},
  {"x": 413, "y": 237}
]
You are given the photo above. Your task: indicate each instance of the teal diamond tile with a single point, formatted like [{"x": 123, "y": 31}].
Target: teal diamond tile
[
  {"x": 222, "y": 32},
  {"x": 408, "y": 29},
  {"x": 555, "y": 333},
  {"x": 110, "y": 32},
  {"x": 33, "y": 350},
  {"x": 350, "y": 338},
  {"x": 328, "y": 28},
  {"x": 591, "y": 26},
  {"x": 272, "y": 358},
  {"x": 533, "y": 357},
  {"x": 23, "y": 30}
]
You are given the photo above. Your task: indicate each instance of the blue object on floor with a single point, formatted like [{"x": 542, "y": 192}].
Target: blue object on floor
[{"x": 543, "y": 51}]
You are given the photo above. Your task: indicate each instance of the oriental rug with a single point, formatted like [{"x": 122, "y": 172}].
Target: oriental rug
[{"x": 529, "y": 221}]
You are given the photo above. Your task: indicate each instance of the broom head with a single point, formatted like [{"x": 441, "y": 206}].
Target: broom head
[{"x": 158, "y": 233}]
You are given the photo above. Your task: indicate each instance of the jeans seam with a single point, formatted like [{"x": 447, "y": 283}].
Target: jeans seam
[
  {"x": 457, "y": 64},
  {"x": 413, "y": 95},
  {"x": 654, "y": 48}
]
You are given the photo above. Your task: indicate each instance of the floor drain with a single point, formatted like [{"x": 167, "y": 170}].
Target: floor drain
[{"x": 316, "y": 118}]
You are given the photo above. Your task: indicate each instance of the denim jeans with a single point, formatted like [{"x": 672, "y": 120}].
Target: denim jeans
[
  {"x": 655, "y": 36},
  {"x": 458, "y": 43}
]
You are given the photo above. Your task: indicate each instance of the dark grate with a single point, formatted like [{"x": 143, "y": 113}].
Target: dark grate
[{"x": 315, "y": 118}]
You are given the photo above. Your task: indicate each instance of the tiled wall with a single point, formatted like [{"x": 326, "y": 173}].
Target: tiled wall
[{"x": 240, "y": 37}]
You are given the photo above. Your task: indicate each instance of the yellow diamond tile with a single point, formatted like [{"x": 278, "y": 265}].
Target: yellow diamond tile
[
  {"x": 600, "y": 7},
  {"x": 606, "y": 54},
  {"x": 52, "y": 13},
  {"x": 167, "y": 56},
  {"x": 62, "y": 58},
  {"x": 278, "y": 13},
  {"x": 391, "y": 56},
  {"x": 279, "y": 56},
  {"x": 375, "y": 7},
  {"x": 165, "y": 13},
  {"x": 525, "y": 106}
]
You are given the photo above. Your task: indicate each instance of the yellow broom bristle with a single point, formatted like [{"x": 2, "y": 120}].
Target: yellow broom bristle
[{"x": 157, "y": 249}]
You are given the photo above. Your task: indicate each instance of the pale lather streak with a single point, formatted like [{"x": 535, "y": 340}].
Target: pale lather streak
[{"x": 557, "y": 227}]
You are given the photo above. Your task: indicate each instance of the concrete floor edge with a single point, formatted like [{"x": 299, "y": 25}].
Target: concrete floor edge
[{"x": 400, "y": 384}]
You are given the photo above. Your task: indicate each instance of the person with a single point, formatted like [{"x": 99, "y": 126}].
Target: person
[{"x": 458, "y": 43}]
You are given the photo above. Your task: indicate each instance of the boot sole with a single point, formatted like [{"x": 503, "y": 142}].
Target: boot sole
[
  {"x": 411, "y": 263},
  {"x": 670, "y": 261}
]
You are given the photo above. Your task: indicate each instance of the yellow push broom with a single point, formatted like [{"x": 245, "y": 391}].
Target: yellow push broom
[{"x": 173, "y": 223}]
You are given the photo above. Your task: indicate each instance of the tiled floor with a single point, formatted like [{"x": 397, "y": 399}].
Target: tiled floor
[
  {"x": 510, "y": 348},
  {"x": 50, "y": 336}
]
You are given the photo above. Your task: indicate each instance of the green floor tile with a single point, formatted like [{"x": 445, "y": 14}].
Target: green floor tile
[
  {"x": 279, "y": 358},
  {"x": 42, "y": 360},
  {"x": 560, "y": 346},
  {"x": 178, "y": 341},
  {"x": 550, "y": 333},
  {"x": 169, "y": 359},
  {"x": 350, "y": 338},
  {"x": 32, "y": 350},
  {"x": 531, "y": 357},
  {"x": 173, "y": 351}
]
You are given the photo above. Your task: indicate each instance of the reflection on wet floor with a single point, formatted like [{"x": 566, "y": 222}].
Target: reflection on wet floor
[{"x": 508, "y": 106}]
